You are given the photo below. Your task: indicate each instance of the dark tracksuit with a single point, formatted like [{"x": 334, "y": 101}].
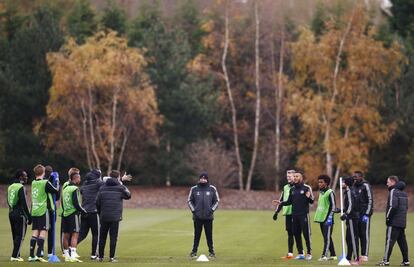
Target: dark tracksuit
[
  {"x": 19, "y": 216},
  {"x": 90, "y": 220},
  {"x": 288, "y": 224},
  {"x": 203, "y": 200},
  {"x": 366, "y": 204},
  {"x": 351, "y": 212},
  {"x": 326, "y": 230},
  {"x": 300, "y": 215},
  {"x": 52, "y": 226},
  {"x": 396, "y": 220},
  {"x": 109, "y": 204}
]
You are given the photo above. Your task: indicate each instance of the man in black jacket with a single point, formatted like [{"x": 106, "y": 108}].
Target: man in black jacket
[
  {"x": 287, "y": 212},
  {"x": 90, "y": 220},
  {"x": 19, "y": 214},
  {"x": 203, "y": 200},
  {"x": 351, "y": 216},
  {"x": 366, "y": 204},
  {"x": 396, "y": 220},
  {"x": 109, "y": 204},
  {"x": 300, "y": 198}
]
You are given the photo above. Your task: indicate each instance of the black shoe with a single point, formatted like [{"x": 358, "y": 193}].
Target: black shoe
[
  {"x": 100, "y": 259},
  {"x": 384, "y": 263},
  {"x": 211, "y": 254},
  {"x": 193, "y": 255},
  {"x": 405, "y": 263}
]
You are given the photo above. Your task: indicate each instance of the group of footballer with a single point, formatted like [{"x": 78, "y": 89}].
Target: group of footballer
[
  {"x": 95, "y": 206},
  {"x": 358, "y": 204}
]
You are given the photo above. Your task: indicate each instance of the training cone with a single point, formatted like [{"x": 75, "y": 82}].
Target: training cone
[
  {"x": 53, "y": 258},
  {"x": 202, "y": 258},
  {"x": 343, "y": 261}
]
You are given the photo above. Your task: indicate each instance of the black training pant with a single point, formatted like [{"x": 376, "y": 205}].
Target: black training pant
[
  {"x": 112, "y": 228},
  {"x": 352, "y": 239},
  {"x": 50, "y": 233},
  {"x": 301, "y": 226},
  {"x": 198, "y": 228},
  {"x": 327, "y": 239},
  {"x": 363, "y": 236},
  {"x": 289, "y": 230},
  {"x": 18, "y": 225},
  {"x": 395, "y": 234},
  {"x": 90, "y": 221}
]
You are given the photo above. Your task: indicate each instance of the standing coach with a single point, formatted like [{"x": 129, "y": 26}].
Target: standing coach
[
  {"x": 396, "y": 221},
  {"x": 203, "y": 200}
]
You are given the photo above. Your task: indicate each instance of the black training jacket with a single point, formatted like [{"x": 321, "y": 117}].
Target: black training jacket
[
  {"x": 110, "y": 199},
  {"x": 89, "y": 191},
  {"x": 298, "y": 200},
  {"x": 364, "y": 197},
  {"x": 397, "y": 206},
  {"x": 351, "y": 204},
  {"x": 203, "y": 200}
]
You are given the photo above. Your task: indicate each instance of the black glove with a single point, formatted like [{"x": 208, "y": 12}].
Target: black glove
[
  {"x": 29, "y": 220},
  {"x": 344, "y": 217},
  {"x": 275, "y": 216}
]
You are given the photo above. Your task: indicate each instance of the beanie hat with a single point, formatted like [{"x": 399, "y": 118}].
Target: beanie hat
[
  {"x": 349, "y": 181},
  {"x": 203, "y": 175}
]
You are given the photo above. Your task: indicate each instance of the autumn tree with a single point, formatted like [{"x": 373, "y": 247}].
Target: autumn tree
[
  {"x": 102, "y": 105},
  {"x": 336, "y": 94}
]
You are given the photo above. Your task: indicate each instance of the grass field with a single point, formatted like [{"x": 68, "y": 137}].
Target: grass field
[{"x": 242, "y": 238}]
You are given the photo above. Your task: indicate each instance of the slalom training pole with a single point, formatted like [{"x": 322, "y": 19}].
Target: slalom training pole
[{"x": 343, "y": 260}]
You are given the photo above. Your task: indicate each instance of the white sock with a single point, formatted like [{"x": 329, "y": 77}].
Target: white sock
[
  {"x": 66, "y": 253},
  {"x": 72, "y": 252}
]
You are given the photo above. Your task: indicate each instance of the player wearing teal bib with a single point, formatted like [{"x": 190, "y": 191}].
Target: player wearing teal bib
[
  {"x": 72, "y": 209},
  {"x": 287, "y": 212},
  {"x": 19, "y": 215},
  {"x": 324, "y": 216},
  {"x": 39, "y": 212}
]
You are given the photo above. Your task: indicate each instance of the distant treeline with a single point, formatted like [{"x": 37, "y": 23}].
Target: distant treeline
[{"x": 242, "y": 89}]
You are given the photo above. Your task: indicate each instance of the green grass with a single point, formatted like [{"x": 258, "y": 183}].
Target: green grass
[{"x": 164, "y": 238}]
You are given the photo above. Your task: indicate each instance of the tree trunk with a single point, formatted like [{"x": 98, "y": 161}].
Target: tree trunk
[
  {"x": 113, "y": 128},
  {"x": 278, "y": 85},
  {"x": 257, "y": 116},
  {"x": 168, "y": 178},
  {"x": 91, "y": 130},
  {"x": 327, "y": 141},
  {"x": 85, "y": 135},
  {"x": 231, "y": 100},
  {"x": 121, "y": 153}
]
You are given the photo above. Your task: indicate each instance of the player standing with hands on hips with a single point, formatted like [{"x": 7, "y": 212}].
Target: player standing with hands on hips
[{"x": 203, "y": 201}]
